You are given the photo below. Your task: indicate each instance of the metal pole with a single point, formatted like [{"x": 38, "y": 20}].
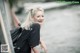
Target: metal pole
[{"x": 5, "y": 24}]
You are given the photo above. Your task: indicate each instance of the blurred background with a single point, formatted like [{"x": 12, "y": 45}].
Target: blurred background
[{"x": 61, "y": 28}]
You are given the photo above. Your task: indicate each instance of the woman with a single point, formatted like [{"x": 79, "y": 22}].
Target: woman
[{"x": 34, "y": 20}]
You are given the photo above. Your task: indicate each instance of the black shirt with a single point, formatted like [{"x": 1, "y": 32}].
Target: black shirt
[{"x": 33, "y": 40}]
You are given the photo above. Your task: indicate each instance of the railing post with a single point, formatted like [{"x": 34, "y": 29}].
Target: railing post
[{"x": 5, "y": 18}]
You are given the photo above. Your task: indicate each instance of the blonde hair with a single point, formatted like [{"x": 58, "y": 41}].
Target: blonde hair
[{"x": 29, "y": 21}]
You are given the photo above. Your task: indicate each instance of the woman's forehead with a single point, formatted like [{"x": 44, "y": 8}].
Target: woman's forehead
[{"x": 39, "y": 13}]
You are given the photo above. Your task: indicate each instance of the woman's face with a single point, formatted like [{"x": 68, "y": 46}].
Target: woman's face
[{"x": 39, "y": 17}]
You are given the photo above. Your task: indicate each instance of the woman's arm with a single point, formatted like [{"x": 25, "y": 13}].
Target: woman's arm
[
  {"x": 15, "y": 19},
  {"x": 43, "y": 45}
]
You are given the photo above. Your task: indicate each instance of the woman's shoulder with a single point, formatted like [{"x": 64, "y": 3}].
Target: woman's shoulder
[{"x": 35, "y": 25}]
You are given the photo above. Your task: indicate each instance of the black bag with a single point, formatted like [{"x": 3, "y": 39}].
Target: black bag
[
  {"x": 19, "y": 37},
  {"x": 15, "y": 33}
]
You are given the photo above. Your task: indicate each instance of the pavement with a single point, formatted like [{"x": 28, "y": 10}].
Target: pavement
[
  {"x": 61, "y": 30},
  {"x": 46, "y": 6}
]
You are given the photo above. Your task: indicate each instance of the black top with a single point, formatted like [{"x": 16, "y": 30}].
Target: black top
[{"x": 33, "y": 40}]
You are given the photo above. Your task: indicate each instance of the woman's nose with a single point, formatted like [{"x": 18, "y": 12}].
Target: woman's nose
[{"x": 42, "y": 18}]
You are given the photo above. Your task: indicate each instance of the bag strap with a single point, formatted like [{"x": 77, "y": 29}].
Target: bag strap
[
  {"x": 22, "y": 30},
  {"x": 20, "y": 33}
]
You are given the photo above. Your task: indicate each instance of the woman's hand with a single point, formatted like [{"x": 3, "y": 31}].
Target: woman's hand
[
  {"x": 44, "y": 49},
  {"x": 43, "y": 46}
]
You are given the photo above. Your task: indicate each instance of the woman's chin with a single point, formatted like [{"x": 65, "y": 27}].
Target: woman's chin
[{"x": 40, "y": 23}]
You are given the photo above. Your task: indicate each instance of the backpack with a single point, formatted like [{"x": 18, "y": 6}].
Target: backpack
[{"x": 19, "y": 37}]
